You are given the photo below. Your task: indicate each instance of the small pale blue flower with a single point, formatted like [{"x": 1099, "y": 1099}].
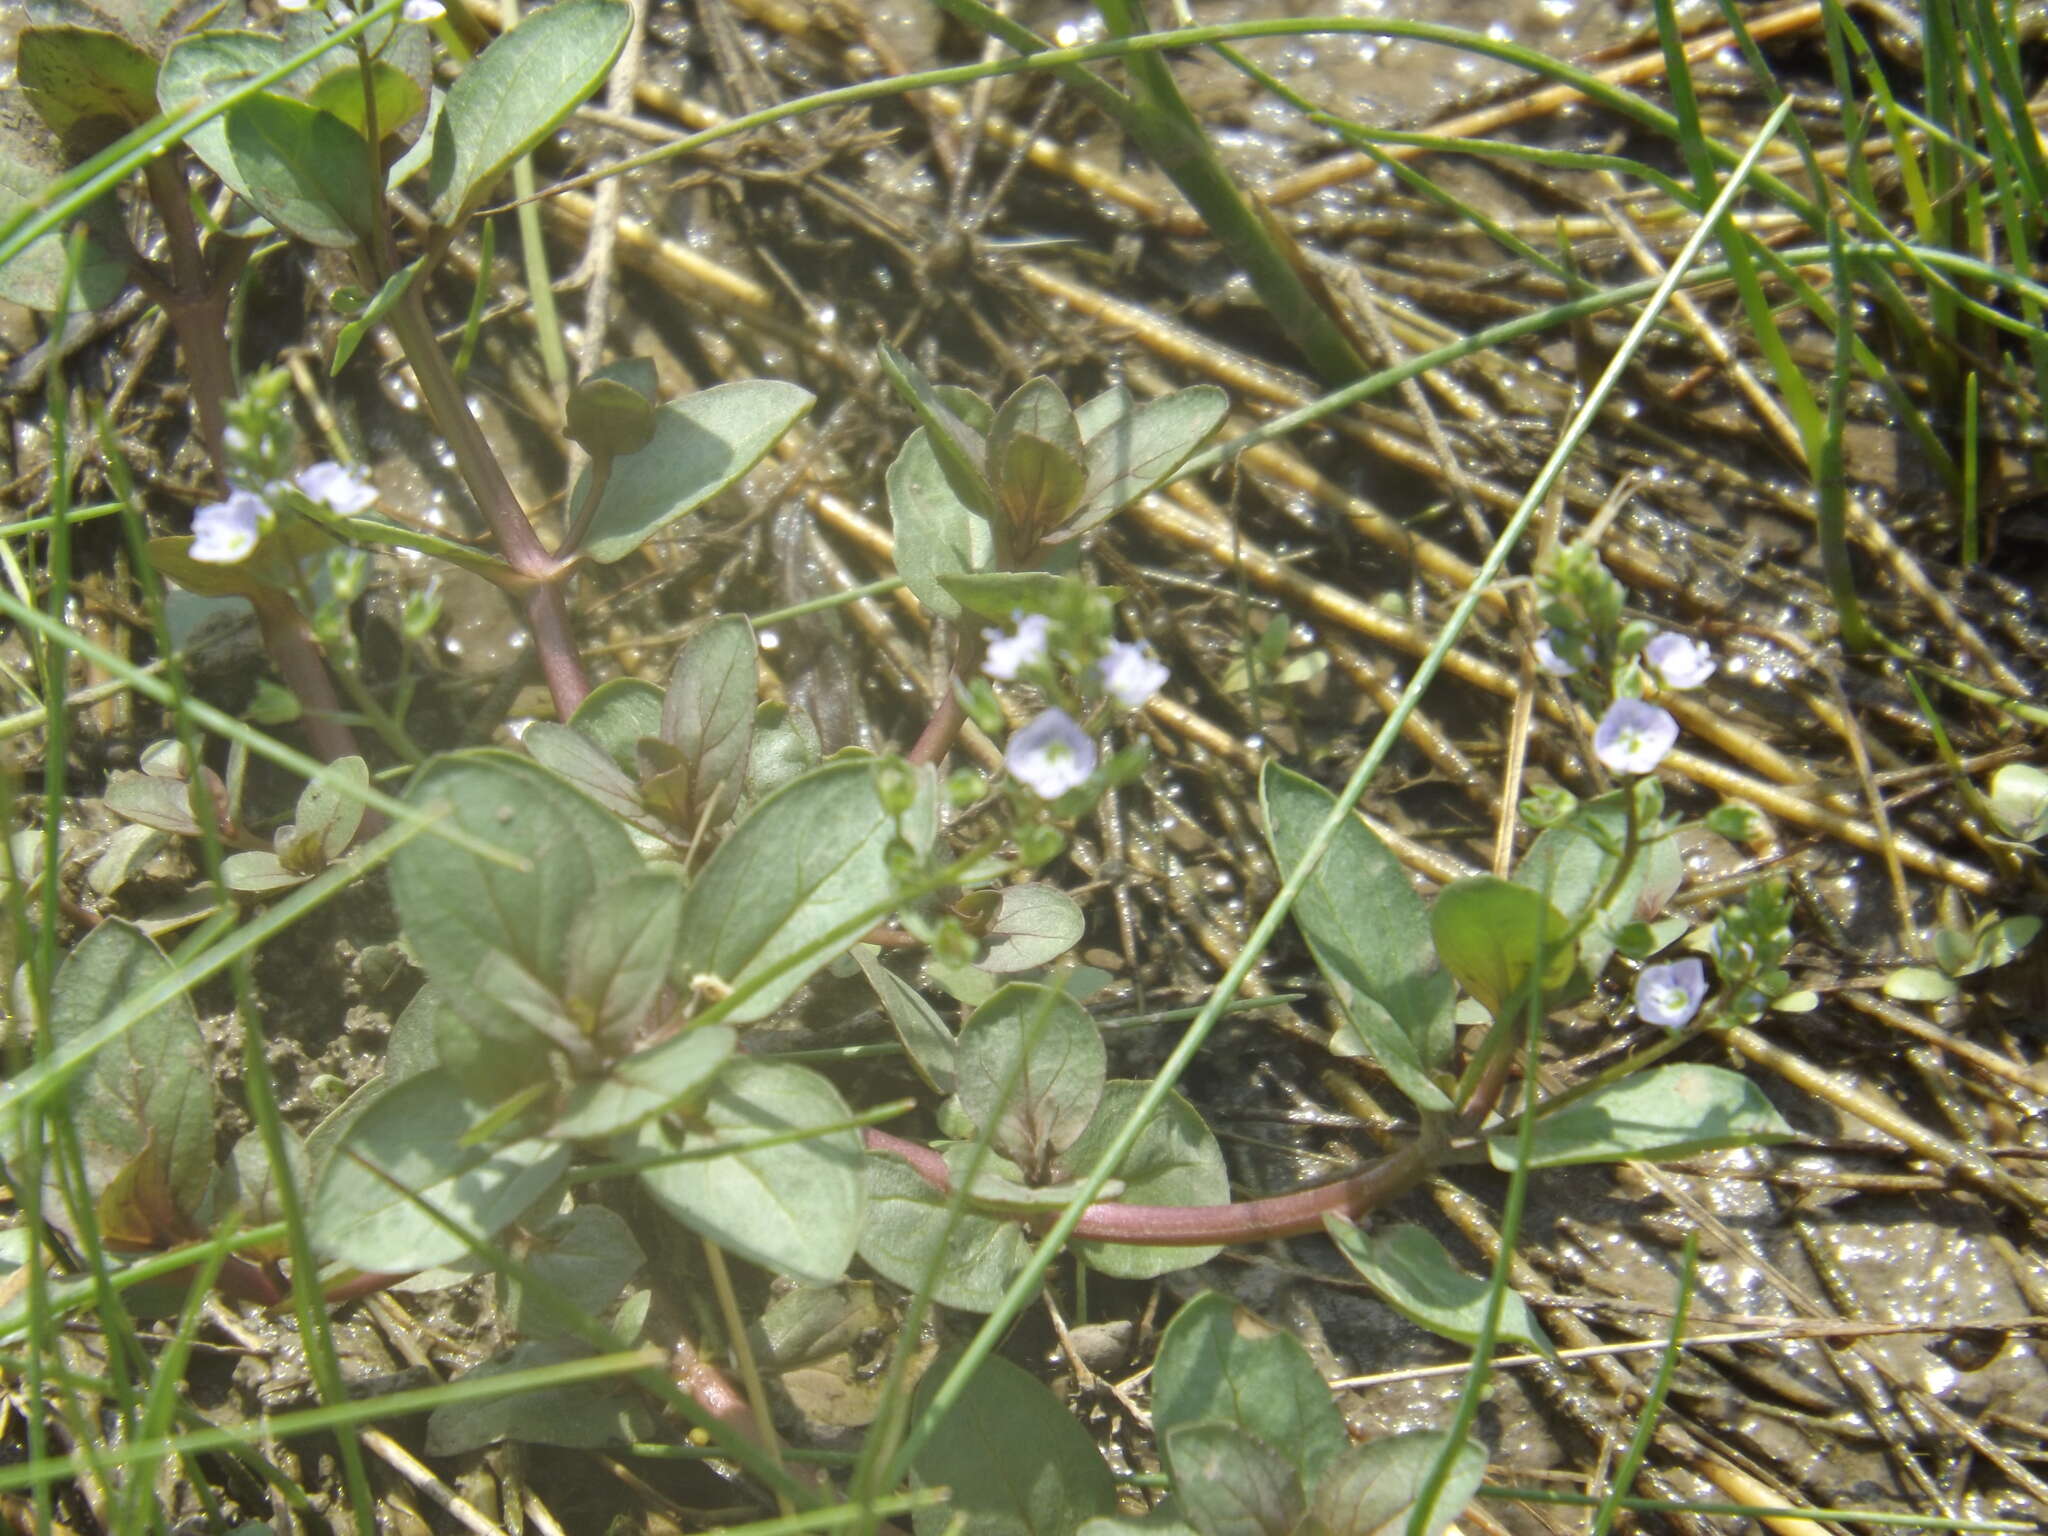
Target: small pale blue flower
[
  {"x": 1671, "y": 994},
  {"x": 1009, "y": 654},
  {"x": 1130, "y": 673},
  {"x": 1051, "y": 755},
  {"x": 1679, "y": 661},
  {"x": 337, "y": 487},
  {"x": 422, "y": 10},
  {"x": 226, "y": 532},
  {"x": 1633, "y": 736}
]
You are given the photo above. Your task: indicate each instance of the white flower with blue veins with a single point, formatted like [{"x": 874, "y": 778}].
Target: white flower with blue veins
[
  {"x": 1633, "y": 736},
  {"x": 1130, "y": 673},
  {"x": 1051, "y": 755},
  {"x": 226, "y": 532},
  {"x": 423, "y": 10},
  {"x": 1669, "y": 995},
  {"x": 337, "y": 487},
  {"x": 1679, "y": 661},
  {"x": 1026, "y": 646}
]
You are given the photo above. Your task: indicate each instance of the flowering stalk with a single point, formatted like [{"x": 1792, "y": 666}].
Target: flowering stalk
[{"x": 195, "y": 300}]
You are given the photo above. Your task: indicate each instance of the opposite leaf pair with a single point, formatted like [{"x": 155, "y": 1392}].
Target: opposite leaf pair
[{"x": 978, "y": 490}]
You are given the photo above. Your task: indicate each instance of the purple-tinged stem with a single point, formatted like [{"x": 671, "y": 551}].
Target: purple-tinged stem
[
  {"x": 940, "y": 732},
  {"x": 547, "y": 607},
  {"x": 291, "y": 645},
  {"x": 1201, "y": 1226}
]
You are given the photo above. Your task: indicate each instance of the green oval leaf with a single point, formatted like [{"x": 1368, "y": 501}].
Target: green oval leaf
[
  {"x": 809, "y": 859},
  {"x": 1030, "y": 1065},
  {"x": 1410, "y": 1271},
  {"x": 617, "y": 714},
  {"x": 619, "y": 950},
  {"x": 786, "y": 746},
  {"x": 87, "y": 85},
  {"x": 923, "y": 1033},
  {"x": 1492, "y": 934},
  {"x": 907, "y": 1239},
  {"x": 645, "y": 1083},
  {"x": 1369, "y": 933},
  {"x": 2019, "y": 801},
  {"x": 937, "y": 534},
  {"x": 1372, "y": 1489},
  {"x": 404, "y": 1154},
  {"x": 398, "y": 96},
  {"x": 1218, "y": 1361},
  {"x": 1666, "y": 1111},
  {"x": 708, "y": 713},
  {"x": 1034, "y": 460},
  {"x": 514, "y": 93},
  {"x": 207, "y": 65},
  {"x": 257, "y": 874},
  {"x": 35, "y": 276},
  {"x": 1033, "y": 926},
  {"x": 1920, "y": 984},
  {"x": 582, "y": 763},
  {"x": 586, "y": 1255},
  {"x": 331, "y": 807},
  {"x": 466, "y": 917},
  {"x": 794, "y": 1208},
  {"x": 1017, "y": 1462},
  {"x": 143, "y": 1106},
  {"x": 957, "y": 447},
  {"x": 609, "y": 417},
  {"x": 702, "y": 443},
  {"x": 306, "y": 170},
  {"x": 999, "y": 594},
  {"x": 1232, "y": 1483},
  {"x": 1134, "y": 449},
  {"x": 388, "y": 293}
]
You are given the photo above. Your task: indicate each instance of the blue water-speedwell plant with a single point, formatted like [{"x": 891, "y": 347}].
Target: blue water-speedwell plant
[{"x": 659, "y": 869}]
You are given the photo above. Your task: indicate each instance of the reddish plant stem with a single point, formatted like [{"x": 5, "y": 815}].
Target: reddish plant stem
[
  {"x": 887, "y": 937},
  {"x": 1192, "y": 1226},
  {"x": 547, "y": 607},
  {"x": 196, "y": 303},
  {"x": 292, "y": 647},
  {"x": 554, "y": 641},
  {"x": 710, "y": 1389},
  {"x": 244, "y": 1280},
  {"x": 939, "y": 733},
  {"x": 1486, "y": 1092},
  {"x": 478, "y": 465}
]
